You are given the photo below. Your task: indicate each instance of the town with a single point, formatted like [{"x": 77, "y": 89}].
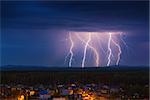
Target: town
[
  {"x": 74, "y": 91},
  {"x": 75, "y": 84}
]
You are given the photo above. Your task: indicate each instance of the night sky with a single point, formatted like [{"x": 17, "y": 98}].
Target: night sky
[{"x": 35, "y": 33}]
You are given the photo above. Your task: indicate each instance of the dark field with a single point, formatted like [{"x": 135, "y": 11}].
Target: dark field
[{"x": 109, "y": 75}]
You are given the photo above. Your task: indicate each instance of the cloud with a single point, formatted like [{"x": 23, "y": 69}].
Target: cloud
[{"x": 74, "y": 16}]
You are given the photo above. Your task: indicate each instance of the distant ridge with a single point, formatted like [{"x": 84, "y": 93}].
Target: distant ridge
[{"x": 46, "y": 68}]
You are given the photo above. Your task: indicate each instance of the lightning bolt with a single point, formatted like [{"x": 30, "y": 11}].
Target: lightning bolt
[
  {"x": 109, "y": 49},
  {"x": 119, "y": 53},
  {"x": 66, "y": 57},
  {"x": 94, "y": 49},
  {"x": 85, "y": 49},
  {"x": 70, "y": 50},
  {"x": 121, "y": 38},
  {"x": 88, "y": 40}
]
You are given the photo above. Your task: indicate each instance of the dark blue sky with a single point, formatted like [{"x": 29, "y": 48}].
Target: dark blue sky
[{"x": 34, "y": 33}]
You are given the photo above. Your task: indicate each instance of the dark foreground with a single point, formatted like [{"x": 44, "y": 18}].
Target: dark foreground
[{"x": 77, "y": 83}]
